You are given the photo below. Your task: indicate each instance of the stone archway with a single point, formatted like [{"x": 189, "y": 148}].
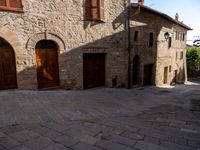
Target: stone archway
[
  {"x": 45, "y": 36},
  {"x": 12, "y": 39},
  {"x": 31, "y": 45},
  {"x": 8, "y": 77}
]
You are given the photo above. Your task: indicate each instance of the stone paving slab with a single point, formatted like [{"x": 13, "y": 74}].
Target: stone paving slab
[
  {"x": 146, "y": 118},
  {"x": 85, "y": 146},
  {"x": 66, "y": 140}
]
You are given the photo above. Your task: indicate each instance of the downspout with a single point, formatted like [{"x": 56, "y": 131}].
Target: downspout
[{"x": 129, "y": 45}]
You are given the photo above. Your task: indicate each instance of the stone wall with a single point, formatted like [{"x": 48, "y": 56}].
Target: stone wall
[{"x": 62, "y": 21}]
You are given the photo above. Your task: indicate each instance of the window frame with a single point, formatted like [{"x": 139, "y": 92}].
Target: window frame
[{"x": 10, "y": 8}]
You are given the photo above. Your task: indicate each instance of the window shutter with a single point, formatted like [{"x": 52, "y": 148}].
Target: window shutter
[
  {"x": 95, "y": 9},
  {"x": 2, "y": 2},
  {"x": 88, "y": 4},
  {"x": 102, "y": 10},
  {"x": 15, "y": 3}
]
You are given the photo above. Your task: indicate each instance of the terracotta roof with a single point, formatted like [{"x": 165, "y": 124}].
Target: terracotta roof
[{"x": 160, "y": 14}]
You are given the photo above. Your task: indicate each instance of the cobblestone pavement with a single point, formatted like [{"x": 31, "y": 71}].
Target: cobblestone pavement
[{"x": 147, "y": 118}]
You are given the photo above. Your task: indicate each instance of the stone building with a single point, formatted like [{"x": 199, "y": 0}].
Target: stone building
[
  {"x": 80, "y": 44},
  {"x": 72, "y": 44},
  {"x": 158, "y": 47}
]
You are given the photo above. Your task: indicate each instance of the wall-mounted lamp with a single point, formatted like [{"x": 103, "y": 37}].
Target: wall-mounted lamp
[{"x": 167, "y": 35}]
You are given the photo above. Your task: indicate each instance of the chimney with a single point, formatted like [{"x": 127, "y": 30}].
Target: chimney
[
  {"x": 141, "y": 2},
  {"x": 176, "y": 16}
]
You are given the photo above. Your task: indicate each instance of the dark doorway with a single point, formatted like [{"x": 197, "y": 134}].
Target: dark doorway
[
  {"x": 175, "y": 76},
  {"x": 8, "y": 78},
  {"x": 136, "y": 68},
  {"x": 148, "y": 78},
  {"x": 165, "y": 75},
  {"x": 93, "y": 70},
  {"x": 47, "y": 64}
]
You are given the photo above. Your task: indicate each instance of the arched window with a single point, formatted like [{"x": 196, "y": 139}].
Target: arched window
[{"x": 12, "y": 5}]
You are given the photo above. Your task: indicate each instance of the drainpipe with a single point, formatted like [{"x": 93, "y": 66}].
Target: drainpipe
[{"x": 129, "y": 45}]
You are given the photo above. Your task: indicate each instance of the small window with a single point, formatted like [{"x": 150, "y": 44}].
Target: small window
[
  {"x": 151, "y": 39},
  {"x": 183, "y": 37},
  {"x": 181, "y": 55},
  {"x": 178, "y": 35},
  {"x": 94, "y": 10},
  {"x": 136, "y": 36},
  {"x": 170, "y": 42},
  {"x": 13, "y": 5}
]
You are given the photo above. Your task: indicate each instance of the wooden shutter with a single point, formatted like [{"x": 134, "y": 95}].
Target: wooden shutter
[
  {"x": 2, "y": 2},
  {"x": 15, "y": 4},
  {"x": 102, "y": 10},
  {"x": 95, "y": 9},
  {"x": 88, "y": 15}
]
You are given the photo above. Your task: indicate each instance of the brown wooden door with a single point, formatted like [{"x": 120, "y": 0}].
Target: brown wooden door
[
  {"x": 8, "y": 79},
  {"x": 135, "y": 73},
  {"x": 148, "y": 74},
  {"x": 93, "y": 70},
  {"x": 47, "y": 68},
  {"x": 165, "y": 75}
]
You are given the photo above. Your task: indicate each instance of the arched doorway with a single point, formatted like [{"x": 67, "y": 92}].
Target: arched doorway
[
  {"x": 136, "y": 68},
  {"x": 8, "y": 78},
  {"x": 47, "y": 64}
]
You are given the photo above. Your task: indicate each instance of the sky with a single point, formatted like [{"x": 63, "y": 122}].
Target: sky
[{"x": 188, "y": 10}]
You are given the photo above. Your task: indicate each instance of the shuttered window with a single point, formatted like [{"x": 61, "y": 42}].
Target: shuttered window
[
  {"x": 2, "y": 2},
  {"x": 94, "y": 10},
  {"x": 13, "y": 5},
  {"x": 16, "y": 4}
]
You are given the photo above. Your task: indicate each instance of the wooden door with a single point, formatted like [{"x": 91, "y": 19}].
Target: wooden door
[
  {"x": 135, "y": 73},
  {"x": 148, "y": 74},
  {"x": 47, "y": 68},
  {"x": 93, "y": 70},
  {"x": 8, "y": 79},
  {"x": 165, "y": 75}
]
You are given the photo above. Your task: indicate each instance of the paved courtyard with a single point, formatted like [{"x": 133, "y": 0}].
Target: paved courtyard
[{"x": 146, "y": 118}]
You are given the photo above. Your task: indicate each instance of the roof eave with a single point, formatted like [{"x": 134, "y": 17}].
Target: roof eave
[{"x": 161, "y": 14}]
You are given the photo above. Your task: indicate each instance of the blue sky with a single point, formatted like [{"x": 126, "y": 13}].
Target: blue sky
[{"x": 188, "y": 10}]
